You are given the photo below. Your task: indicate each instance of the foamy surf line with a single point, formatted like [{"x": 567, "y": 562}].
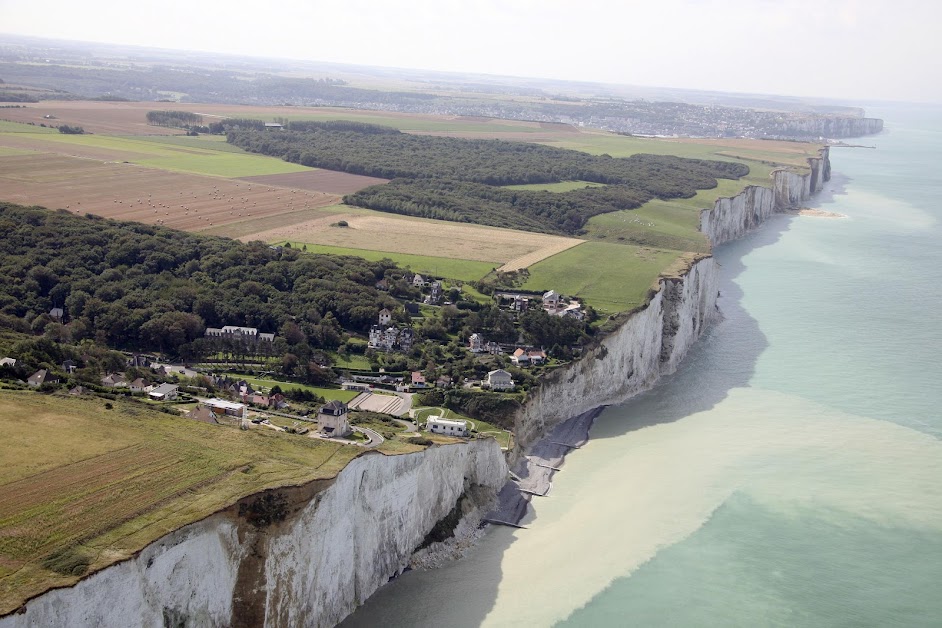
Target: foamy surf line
[{"x": 533, "y": 474}]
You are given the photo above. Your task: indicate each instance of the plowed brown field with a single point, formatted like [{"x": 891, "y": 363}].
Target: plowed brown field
[
  {"x": 130, "y": 192},
  {"x": 327, "y": 181}
]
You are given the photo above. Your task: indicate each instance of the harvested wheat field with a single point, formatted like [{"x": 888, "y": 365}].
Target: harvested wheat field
[
  {"x": 398, "y": 234},
  {"x": 130, "y": 192},
  {"x": 327, "y": 181},
  {"x": 108, "y": 118}
]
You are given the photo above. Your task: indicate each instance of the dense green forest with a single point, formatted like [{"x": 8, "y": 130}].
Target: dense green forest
[
  {"x": 491, "y": 162},
  {"x": 460, "y": 201},
  {"x": 458, "y": 179},
  {"x": 141, "y": 287},
  {"x": 182, "y": 119}
]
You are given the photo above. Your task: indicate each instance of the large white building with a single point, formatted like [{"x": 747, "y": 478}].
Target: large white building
[
  {"x": 248, "y": 337},
  {"x": 448, "y": 427}
]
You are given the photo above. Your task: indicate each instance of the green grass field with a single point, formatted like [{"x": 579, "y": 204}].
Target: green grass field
[
  {"x": 326, "y": 393},
  {"x": 465, "y": 270},
  {"x": 349, "y": 361},
  {"x": 7, "y": 126},
  {"x": 609, "y": 277},
  {"x": 784, "y": 153},
  {"x": 562, "y": 186},
  {"x": 206, "y": 159},
  {"x": 9, "y": 152},
  {"x": 204, "y": 142},
  {"x": 85, "y": 485}
]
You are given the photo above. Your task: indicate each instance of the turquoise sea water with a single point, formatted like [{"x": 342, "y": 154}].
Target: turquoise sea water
[{"x": 789, "y": 474}]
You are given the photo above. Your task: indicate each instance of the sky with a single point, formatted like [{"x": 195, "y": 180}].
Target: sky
[{"x": 857, "y": 50}]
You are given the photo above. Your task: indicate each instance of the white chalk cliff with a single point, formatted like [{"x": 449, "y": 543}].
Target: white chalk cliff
[
  {"x": 303, "y": 556},
  {"x": 654, "y": 340},
  {"x": 307, "y": 556}
]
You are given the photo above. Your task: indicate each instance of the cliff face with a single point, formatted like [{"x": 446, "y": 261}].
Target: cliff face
[
  {"x": 829, "y": 126},
  {"x": 653, "y": 341},
  {"x": 630, "y": 360},
  {"x": 731, "y": 218},
  {"x": 296, "y": 557}
]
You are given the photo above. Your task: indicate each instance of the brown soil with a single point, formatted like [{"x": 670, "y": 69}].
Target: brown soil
[
  {"x": 327, "y": 181},
  {"x": 130, "y": 192}
]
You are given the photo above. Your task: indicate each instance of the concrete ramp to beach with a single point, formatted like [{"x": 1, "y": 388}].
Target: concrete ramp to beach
[{"x": 533, "y": 474}]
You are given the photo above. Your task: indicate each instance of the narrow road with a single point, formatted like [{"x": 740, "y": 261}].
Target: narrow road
[
  {"x": 376, "y": 439},
  {"x": 409, "y": 425}
]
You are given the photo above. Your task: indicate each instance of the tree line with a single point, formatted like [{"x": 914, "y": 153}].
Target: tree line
[
  {"x": 179, "y": 119},
  {"x": 139, "y": 287}
]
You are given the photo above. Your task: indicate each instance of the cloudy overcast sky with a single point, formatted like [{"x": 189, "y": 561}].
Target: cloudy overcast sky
[{"x": 846, "y": 49}]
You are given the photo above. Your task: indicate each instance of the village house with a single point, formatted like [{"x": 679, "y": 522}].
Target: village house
[
  {"x": 222, "y": 408},
  {"x": 40, "y": 377},
  {"x": 164, "y": 392},
  {"x": 385, "y": 316},
  {"x": 419, "y": 281},
  {"x": 390, "y": 337},
  {"x": 499, "y": 379},
  {"x": 435, "y": 294},
  {"x": 204, "y": 414},
  {"x": 551, "y": 301},
  {"x": 439, "y": 425},
  {"x": 520, "y": 304},
  {"x": 138, "y": 360},
  {"x": 526, "y": 357},
  {"x": 382, "y": 284},
  {"x": 476, "y": 343},
  {"x": 572, "y": 310},
  {"x": 114, "y": 380},
  {"x": 332, "y": 420},
  {"x": 7, "y": 361},
  {"x": 418, "y": 380},
  {"x": 443, "y": 382},
  {"x": 140, "y": 385},
  {"x": 69, "y": 366}
]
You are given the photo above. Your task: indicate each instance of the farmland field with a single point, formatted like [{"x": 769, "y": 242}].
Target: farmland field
[
  {"x": 619, "y": 283},
  {"x": 205, "y": 159},
  {"x": 463, "y": 270},
  {"x": 90, "y": 485},
  {"x": 389, "y": 233},
  {"x": 562, "y": 186},
  {"x": 287, "y": 202},
  {"x": 328, "y": 181},
  {"x": 130, "y": 192}
]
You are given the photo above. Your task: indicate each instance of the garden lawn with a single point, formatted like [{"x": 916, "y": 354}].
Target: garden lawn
[{"x": 327, "y": 393}]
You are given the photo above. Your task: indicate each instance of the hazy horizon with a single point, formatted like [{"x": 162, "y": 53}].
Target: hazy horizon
[{"x": 851, "y": 51}]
